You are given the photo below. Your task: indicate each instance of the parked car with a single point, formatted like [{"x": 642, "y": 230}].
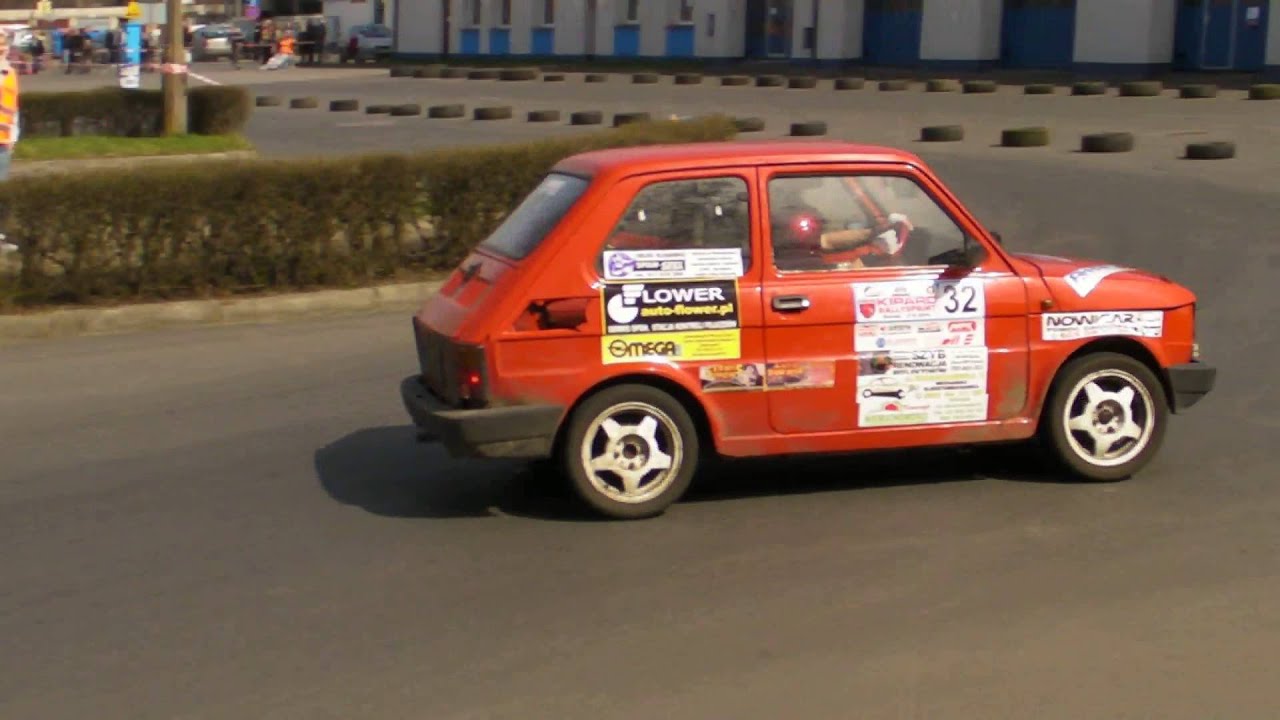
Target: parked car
[
  {"x": 620, "y": 319},
  {"x": 213, "y": 42},
  {"x": 367, "y": 42}
]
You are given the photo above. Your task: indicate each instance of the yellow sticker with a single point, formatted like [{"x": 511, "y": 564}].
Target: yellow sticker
[{"x": 671, "y": 347}]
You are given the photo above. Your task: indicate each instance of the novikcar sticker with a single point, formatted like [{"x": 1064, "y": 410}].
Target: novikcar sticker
[
  {"x": 670, "y": 307},
  {"x": 672, "y": 264},
  {"x": 1074, "y": 326},
  {"x": 909, "y": 300},
  {"x": 922, "y": 387},
  {"x": 671, "y": 347},
  {"x": 1085, "y": 280}
]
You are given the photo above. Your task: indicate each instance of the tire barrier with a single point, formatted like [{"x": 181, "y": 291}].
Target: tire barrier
[
  {"x": 1198, "y": 92},
  {"x": 1220, "y": 150},
  {"x": 595, "y": 78},
  {"x": 850, "y": 83},
  {"x": 1110, "y": 142},
  {"x": 984, "y": 87},
  {"x": 942, "y": 133},
  {"x": 483, "y": 74},
  {"x": 304, "y": 103},
  {"x": 1264, "y": 92},
  {"x": 503, "y": 112},
  {"x": 518, "y": 74},
  {"x": 688, "y": 79},
  {"x": 586, "y": 117},
  {"x": 1039, "y": 89},
  {"x": 429, "y": 73},
  {"x": 808, "y": 129},
  {"x": 553, "y": 77},
  {"x": 344, "y": 105},
  {"x": 734, "y": 81},
  {"x": 455, "y": 73},
  {"x": 446, "y": 112},
  {"x": 1141, "y": 88},
  {"x": 770, "y": 81},
  {"x": 894, "y": 85},
  {"x": 406, "y": 110},
  {"x": 377, "y": 109},
  {"x": 269, "y": 101},
  {"x": 402, "y": 71},
  {"x": 645, "y": 79},
  {"x": 802, "y": 83},
  {"x": 749, "y": 124},
  {"x": 541, "y": 116},
  {"x": 1089, "y": 88},
  {"x": 1025, "y": 137},
  {"x": 941, "y": 85},
  {"x": 621, "y": 119}
]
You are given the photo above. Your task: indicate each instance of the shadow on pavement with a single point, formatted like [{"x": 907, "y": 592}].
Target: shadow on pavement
[{"x": 387, "y": 472}]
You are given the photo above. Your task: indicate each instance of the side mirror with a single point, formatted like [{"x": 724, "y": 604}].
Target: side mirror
[{"x": 999, "y": 238}]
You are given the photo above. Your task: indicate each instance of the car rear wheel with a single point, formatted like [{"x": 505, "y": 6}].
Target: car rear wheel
[
  {"x": 1106, "y": 417},
  {"x": 630, "y": 451}
]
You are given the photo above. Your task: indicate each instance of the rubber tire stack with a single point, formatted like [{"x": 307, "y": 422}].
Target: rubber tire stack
[
  {"x": 808, "y": 129},
  {"x": 1221, "y": 150},
  {"x": 942, "y": 133},
  {"x": 1109, "y": 142},
  {"x": 443, "y": 112},
  {"x": 1025, "y": 137}
]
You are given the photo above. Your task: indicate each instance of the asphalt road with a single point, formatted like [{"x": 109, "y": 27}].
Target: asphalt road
[{"x": 236, "y": 522}]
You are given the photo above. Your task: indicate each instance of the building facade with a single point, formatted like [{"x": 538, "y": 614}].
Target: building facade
[{"x": 1041, "y": 34}]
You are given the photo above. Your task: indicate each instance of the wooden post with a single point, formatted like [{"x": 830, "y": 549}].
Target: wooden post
[{"x": 174, "y": 83}]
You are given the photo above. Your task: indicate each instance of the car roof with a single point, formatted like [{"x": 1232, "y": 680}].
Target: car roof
[{"x": 707, "y": 155}]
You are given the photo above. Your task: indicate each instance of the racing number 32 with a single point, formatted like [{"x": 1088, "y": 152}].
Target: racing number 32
[{"x": 959, "y": 299}]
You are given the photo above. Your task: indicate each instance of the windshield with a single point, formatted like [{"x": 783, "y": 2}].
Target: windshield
[{"x": 524, "y": 229}]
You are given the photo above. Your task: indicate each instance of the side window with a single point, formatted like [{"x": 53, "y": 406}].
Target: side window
[
  {"x": 850, "y": 222},
  {"x": 705, "y": 213}
]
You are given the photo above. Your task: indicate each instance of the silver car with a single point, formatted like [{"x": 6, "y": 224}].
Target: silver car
[{"x": 212, "y": 42}]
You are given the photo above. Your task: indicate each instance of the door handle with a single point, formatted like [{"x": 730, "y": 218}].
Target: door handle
[{"x": 791, "y": 303}]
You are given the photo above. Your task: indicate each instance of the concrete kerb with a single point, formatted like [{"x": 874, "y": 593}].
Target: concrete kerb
[
  {"x": 35, "y": 167},
  {"x": 73, "y": 322}
]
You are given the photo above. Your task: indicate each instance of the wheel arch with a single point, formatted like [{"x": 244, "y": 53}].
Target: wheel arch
[
  {"x": 1114, "y": 344},
  {"x": 682, "y": 394}
]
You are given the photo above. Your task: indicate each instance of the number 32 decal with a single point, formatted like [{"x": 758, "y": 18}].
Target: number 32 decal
[{"x": 960, "y": 300}]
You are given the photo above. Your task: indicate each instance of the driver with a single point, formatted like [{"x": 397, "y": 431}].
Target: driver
[{"x": 803, "y": 236}]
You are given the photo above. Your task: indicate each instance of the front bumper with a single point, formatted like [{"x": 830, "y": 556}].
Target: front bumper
[
  {"x": 1190, "y": 383},
  {"x": 519, "y": 431}
]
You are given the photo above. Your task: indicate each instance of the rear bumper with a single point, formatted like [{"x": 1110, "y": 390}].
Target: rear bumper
[
  {"x": 1190, "y": 383},
  {"x": 519, "y": 431}
]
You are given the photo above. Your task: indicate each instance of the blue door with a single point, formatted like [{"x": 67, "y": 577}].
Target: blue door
[
  {"x": 891, "y": 32},
  {"x": 499, "y": 41},
  {"x": 470, "y": 44},
  {"x": 1038, "y": 33},
  {"x": 544, "y": 41},
  {"x": 1221, "y": 35},
  {"x": 626, "y": 40},
  {"x": 680, "y": 41}
]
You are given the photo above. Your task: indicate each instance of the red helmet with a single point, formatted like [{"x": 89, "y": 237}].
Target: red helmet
[{"x": 805, "y": 226}]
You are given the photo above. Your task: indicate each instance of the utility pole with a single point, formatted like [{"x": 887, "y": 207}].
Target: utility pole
[{"x": 174, "y": 72}]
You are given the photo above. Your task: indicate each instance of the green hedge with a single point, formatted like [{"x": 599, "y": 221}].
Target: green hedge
[
  {"x": 215, "y": 110},
  {"x": 212, "y": 229}
]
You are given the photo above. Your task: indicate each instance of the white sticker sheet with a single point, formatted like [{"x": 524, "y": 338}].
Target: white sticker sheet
[
  {"x": 922, "y": 352},
  {"x": 1076, "y": 326},
  {"x": 1086, "y": 280},
  {"x": 710, "y": 263}
]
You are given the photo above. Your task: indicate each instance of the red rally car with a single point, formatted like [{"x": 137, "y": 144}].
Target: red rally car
[{"x": 646, "y": 308}]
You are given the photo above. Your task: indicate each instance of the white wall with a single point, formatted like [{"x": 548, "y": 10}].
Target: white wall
[
  {"x": 1273, "y": 33},
  {"x": 840, "y": 29},
  {"x": 1125, "y": 31},
  {"x": 351, "y": 13},
  {"x": 571, "y": 26},
  {"x": 729, "y": 40},
  {"x": 965, "y": 29},
  {"x": 419, "y": 27}
]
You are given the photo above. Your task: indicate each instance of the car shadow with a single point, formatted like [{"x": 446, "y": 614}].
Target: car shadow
[{"x": 387, "y": 472}]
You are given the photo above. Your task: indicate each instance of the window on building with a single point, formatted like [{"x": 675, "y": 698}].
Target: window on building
[
  {"x": 506, "y": 13},
  {"x": 850, "y": 222},
  {"x": 477, "y": 12},
  {"x": 548, "y": 12},
  {"x": 687, "y": 215},
  {"x": 682, "y": 11},
  {"x": 633, "y": 11}
]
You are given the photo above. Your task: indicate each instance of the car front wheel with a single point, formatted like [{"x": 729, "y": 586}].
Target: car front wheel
[
  {"x": 631, "y": 451},
  {"x": 1106, "y": 417}
]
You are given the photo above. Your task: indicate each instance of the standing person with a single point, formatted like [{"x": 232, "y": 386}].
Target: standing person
[
  {"x": 9, "y": 120},
  {"x": 318, "y": 38}
]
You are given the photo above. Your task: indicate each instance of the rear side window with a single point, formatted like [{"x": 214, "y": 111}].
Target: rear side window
[
  {"x": 525, "y": 228},
  {"x": 704, "y": 214}
]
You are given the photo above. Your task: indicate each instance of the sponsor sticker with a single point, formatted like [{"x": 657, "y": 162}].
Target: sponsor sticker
[
  {"x": 1085, "y": 280},
  {"x": 910, "y": 300},
  {"x": 922, "y": 387},
  {"x": 672, "y": 264},
  {"x": 725, "y": 378},
  {"x": 670, "y": 307},
  {"x": 919, "y": 335},
  {"x": 671, "y": 347},
  {"x": 1074, "y": 326},
  {"x": 800, "y": 375}
]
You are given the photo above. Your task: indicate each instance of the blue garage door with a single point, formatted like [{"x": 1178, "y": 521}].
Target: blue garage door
[
  {"x": 1221, "y": 35},
  {"x": 470, "y": 42},
  {"x": 1038, "y": 33},
  {"x": 499, "y": 41},
  {"x": 891, "y": 32}
]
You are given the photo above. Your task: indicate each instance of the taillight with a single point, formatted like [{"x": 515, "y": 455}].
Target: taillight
[{"x": 471, "y": 375}]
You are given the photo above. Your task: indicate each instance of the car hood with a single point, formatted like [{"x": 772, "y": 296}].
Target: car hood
[{"x": 1082, "y": 284}]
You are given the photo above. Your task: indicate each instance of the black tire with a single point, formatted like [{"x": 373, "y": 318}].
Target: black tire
[
  {"x": 1025, "y": 137},
  {"x": 894, "y": 85},
  {"x": 850, "y": 83},
  {"x": 1110, "y": 142},
  {"x": 749, "y": 124},
  {"x": 553, "y": 77},
  {"x": 940, "y": 85},
  {"x": 406, "y": 110},
  {"x": 595, "y": 78},
  {"x": 808, "y": 129},
  {"x": 1067, "y": 397},
  {"x": 1222, "y": 150},
  {"x": 1039, "y": 89},
  {"x": 429, "y": 73},
  {"x": 1198, "y": 92},
  {"x": 1264, "y": 92},
  {"x": 269, "y": 101},
  {"x": 377, "y": 109},
  {"x": 688, "y": 79},
  {"x": 539, "y": 116},
  {"x": 344, "y": 105},
  {"x": 1089, "y": 88},
  {"x": 645, "y": 79},
  {"x": 942, "y": 133},
  {"x": 981, "y": 87},
  {"x": 621, "y": 119},
  {"x": 402, "y": 71},
  {"x": 735, "y": 81},
  {"x": 483, "y": 74},
  {"x": 586, "y": 117},
  {"x": 676, "y": 436},
  {"x": 802, "y": 83},
  {"x": 503, "y": 112},
  {"x": 770, "y": 81},
  {"x": 455, "y": 73},
  {"x": 304, "y": 103},
  {"x": 1141, "y": 88},
  {"x": 518, "y": 74},
  {"x": 443, "y": 112}
]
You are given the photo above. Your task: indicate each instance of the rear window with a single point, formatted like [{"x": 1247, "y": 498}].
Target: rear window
[{"x": 525, "y": 228}]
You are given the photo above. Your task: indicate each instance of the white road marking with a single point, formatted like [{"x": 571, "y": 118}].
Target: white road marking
[
  {"x": 203, "y": 79},
  {"x": 366, "y": 123}
]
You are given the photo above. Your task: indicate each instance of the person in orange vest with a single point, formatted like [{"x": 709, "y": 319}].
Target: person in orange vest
[{"x": 9, "y": 127}]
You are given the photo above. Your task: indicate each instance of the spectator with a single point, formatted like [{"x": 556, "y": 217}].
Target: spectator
[{"x": 10, "y": 127}]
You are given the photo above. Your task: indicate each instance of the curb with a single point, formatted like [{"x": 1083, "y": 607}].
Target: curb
[
  {"x": 33, "y": 167},
  {"x": 192, "y": 313}
]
